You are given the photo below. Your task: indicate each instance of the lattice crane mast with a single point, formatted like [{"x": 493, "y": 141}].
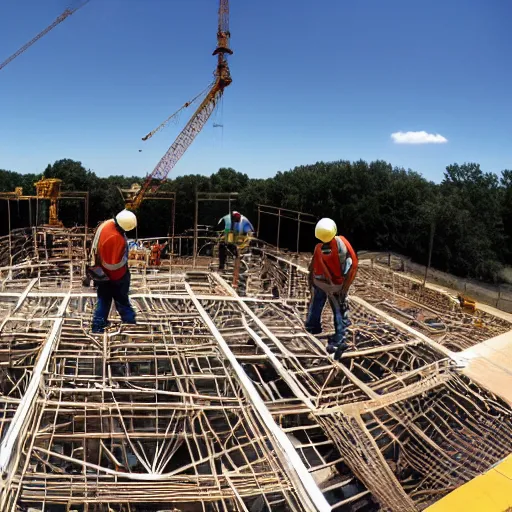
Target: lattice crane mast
[
  {"x": 198, "y": 119},
  {"x": 66, "y": 14}
]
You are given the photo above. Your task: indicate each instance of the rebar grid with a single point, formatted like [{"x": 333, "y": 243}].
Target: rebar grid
[
  {"x": 434, "y": 441},
  {"x": 43, "y": 243},
  {"x": 432, "y": 313},
  {"x": 342, "y": 489},
  {"x": 139, "y": 417},
  {"x": 404, "y": 379},
  {"x": 157, "y": 417}
]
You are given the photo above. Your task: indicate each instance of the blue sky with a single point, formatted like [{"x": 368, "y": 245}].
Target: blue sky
[{"x": 322, "y": 80}]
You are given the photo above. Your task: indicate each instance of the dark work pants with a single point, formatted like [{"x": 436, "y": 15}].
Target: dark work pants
[
  {"x": 339, "y": 306},
  {"x": 118, "y": 292},
  {"x": 223, "y": 253}
]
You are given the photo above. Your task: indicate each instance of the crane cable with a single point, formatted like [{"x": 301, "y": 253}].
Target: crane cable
[{"x": 185, "y": 105}]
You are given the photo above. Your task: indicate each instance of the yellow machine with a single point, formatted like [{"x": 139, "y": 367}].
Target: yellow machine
[
  {"x": 18, "y": 192},
  {"x": 49, "y": 188},
  {"x": 241, "y": 241},
  {"x": 467, "y": 303}
]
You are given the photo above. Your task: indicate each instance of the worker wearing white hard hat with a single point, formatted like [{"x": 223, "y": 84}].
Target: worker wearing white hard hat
[
  {"x": 110, "y": 260},
  {"x": 331, "y": 272},
  {"x": 126, "y": 220}
]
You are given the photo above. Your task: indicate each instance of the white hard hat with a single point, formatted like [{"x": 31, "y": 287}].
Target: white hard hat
[
  {"x": 126, "y": 220},
  {"x": 325, "y": 230}
]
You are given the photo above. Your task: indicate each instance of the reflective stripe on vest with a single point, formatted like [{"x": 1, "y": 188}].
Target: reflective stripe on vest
[
  {"x": 330, "y": 267},
  {"x": 95, "y": 241},
  {"x": 116, "y": 266},
  {"x": 342, "y": 252}
]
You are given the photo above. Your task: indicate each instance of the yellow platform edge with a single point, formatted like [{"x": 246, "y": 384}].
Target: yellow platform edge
[{"x": 488, "y": 492}]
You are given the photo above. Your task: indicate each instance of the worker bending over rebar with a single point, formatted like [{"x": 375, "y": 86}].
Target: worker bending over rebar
[
  {"x": 111, "y": 273},
  {"x": 237, "y": 228},
  {"x": 331, "y": 272}
]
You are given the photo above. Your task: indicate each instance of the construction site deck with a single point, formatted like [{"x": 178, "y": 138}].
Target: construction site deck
[{"x": 221, "y": 401}]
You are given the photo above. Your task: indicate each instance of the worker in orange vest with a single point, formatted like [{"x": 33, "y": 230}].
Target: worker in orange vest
[
  {"x": 110, "y": 254},
  {"x": 331, "y": 272},
  {"x": 156, "y": 253}
]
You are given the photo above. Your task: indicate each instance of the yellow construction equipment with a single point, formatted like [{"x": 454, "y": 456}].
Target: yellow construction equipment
[
  {"x": 18, "y": 192},
  {"x": 467, "y": 303},
  {"x": 49, "y": 188}
]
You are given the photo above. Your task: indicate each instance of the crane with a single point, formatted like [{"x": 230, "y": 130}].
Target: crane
[
  {"x": 58, "y": 21},
  {"x": 222, "y": 79}
]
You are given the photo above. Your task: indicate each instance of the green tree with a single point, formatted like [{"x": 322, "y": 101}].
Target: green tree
[{"x": 374, "y": 204}]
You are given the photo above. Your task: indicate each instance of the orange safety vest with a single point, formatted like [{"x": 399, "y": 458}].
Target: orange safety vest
[
  {"x": 156, "y": 252},
  {"x": 112, "y": 250},
  {"x": 329, "y": 266}
]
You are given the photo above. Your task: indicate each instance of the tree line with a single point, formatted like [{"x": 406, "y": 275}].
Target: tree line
[{"x": 376, "y": 206}]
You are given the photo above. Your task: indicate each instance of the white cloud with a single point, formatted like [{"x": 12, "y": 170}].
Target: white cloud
[{"x": 418, "y": 138}]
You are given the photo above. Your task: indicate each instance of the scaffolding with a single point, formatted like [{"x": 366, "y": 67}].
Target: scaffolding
[
  {"x": 128, "y": 195},
  {"x": 299, "y": 217}
]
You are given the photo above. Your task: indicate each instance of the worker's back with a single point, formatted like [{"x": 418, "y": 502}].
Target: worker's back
[{"x": 112, "y": 250}]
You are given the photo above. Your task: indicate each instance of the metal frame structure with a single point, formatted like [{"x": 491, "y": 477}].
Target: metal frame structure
[
  {"x": 68, "y": 195},
  {"x": 218, "y": 402},
  {"x": 159, "y": 195},
  {"x": 287, "y": 214}
]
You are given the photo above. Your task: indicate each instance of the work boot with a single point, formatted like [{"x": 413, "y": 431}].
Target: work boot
[
  {"x": 331, "y": 348},
  {"x": 336, "y": 349},
  {"x": 339, "y": 351},
  {"x": 336, "y": 346},
  {"x": 314, "y": 330},
  {"x": 100, "y": 328}
]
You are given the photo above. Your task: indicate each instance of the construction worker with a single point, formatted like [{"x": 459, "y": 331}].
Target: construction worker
[
  {"x": 331, "y": 272},
  {"x": 236, "y": 230},
  {"x": 110, "y": 253},
  {"x": 156, "y": 253}
]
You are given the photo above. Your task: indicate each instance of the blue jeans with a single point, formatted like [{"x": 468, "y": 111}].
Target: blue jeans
[
  {"x": 339, "y": 306},
  {"x": 117, "y": 291}
]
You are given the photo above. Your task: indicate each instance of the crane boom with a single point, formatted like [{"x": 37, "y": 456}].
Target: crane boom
[
  {"x": 200, "y": 116},
  {"x": 180, "y": 145},
  {"x": 186, "y": 105},
  {"x": 58, "y": 21}
]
